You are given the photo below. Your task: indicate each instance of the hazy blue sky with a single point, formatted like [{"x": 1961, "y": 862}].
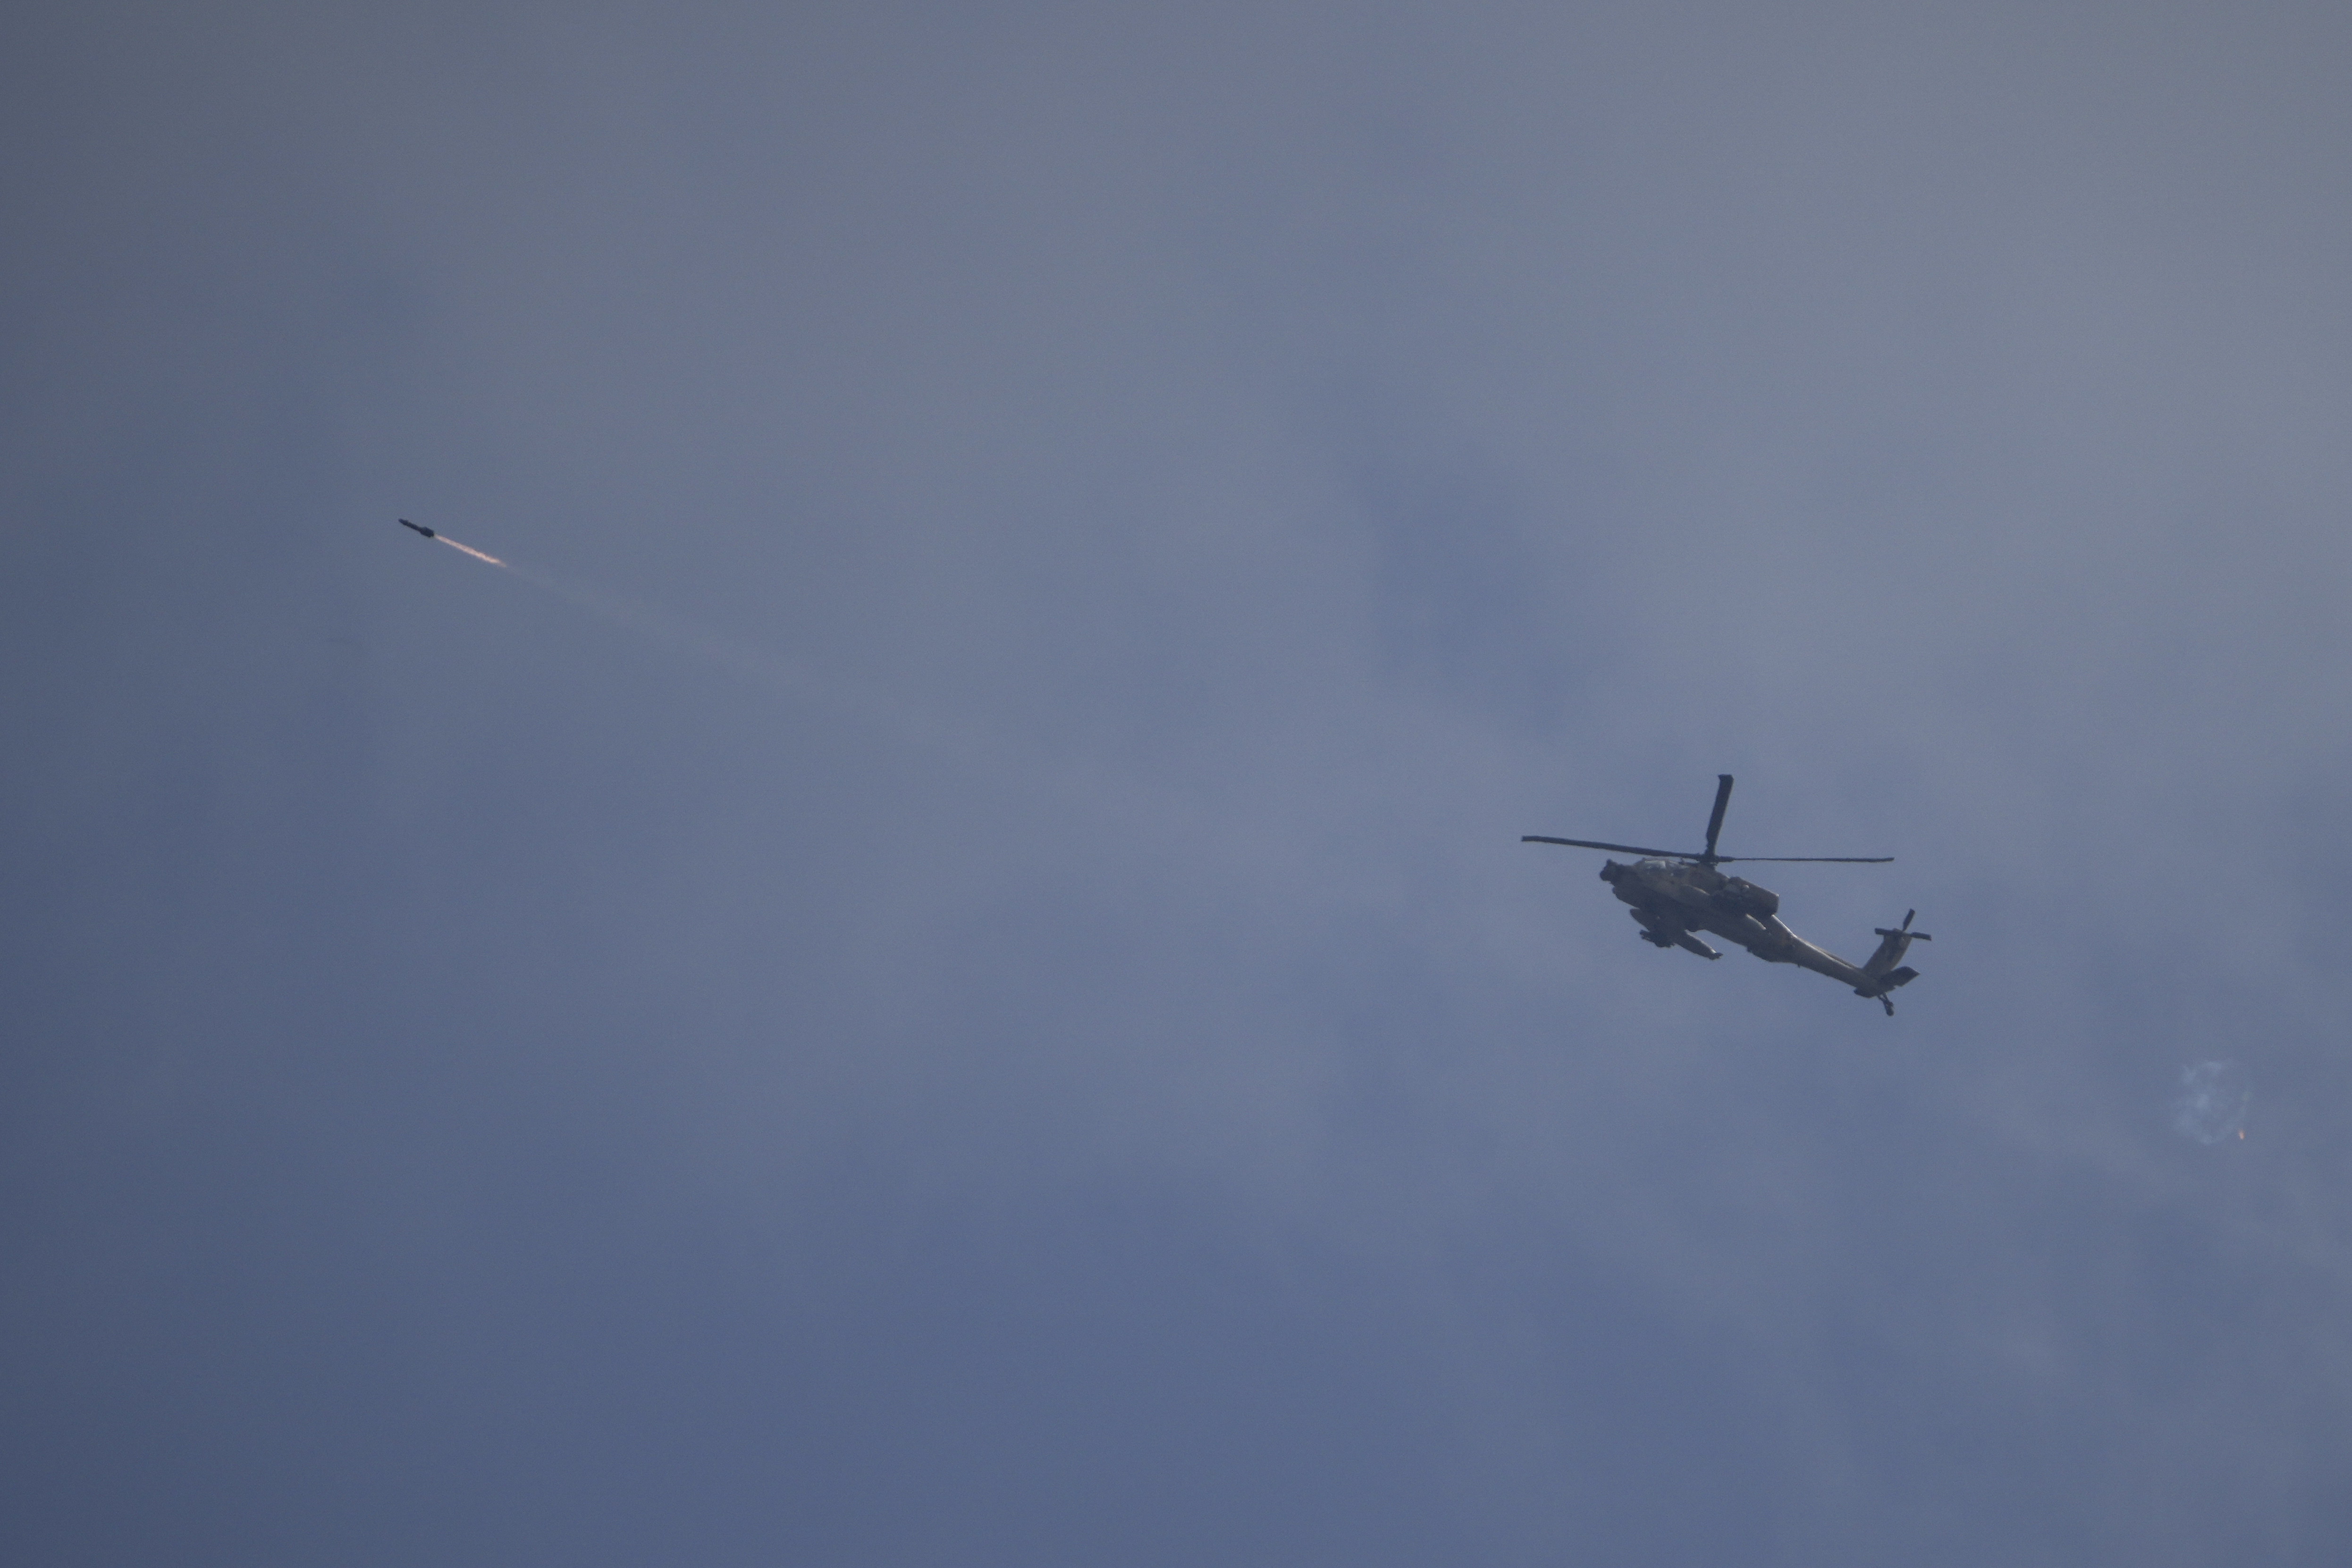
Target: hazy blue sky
[{"x": 943, "y": 973}]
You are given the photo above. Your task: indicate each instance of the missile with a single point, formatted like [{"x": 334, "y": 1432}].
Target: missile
[{"x": 465, "y": 549}]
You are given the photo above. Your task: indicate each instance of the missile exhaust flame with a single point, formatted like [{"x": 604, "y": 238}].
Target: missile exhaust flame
[{"x": 468, "y": 550}]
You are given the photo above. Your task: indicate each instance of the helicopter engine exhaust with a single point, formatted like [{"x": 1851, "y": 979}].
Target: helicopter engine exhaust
[{"x": 1739, "y": 896}]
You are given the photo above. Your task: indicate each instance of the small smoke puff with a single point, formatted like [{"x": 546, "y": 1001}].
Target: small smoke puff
[{"x": 2213, "y": 1100}]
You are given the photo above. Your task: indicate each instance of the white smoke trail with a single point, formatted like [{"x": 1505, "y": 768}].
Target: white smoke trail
[
  {"x": 1081, "y": 783},
  {"x": 971, "y": 744},
  {"x": 759, "y": 664}
]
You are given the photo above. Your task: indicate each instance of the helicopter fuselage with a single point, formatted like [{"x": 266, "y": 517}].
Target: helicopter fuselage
[{"x": 1674, "y": 899}]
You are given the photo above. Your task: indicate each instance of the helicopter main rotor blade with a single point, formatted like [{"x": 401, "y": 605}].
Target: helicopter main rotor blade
[
  {"x": 1815, "y": 860},
  {"x": 1595, "y": 843},
  {"x": 1714, "y": 823}
]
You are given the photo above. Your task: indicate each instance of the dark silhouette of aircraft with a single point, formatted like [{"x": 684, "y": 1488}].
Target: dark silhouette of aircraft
[{"x": 1675, "y": 893}]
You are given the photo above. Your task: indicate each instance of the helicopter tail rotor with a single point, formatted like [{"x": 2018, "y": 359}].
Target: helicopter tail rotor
[
  {"x": 1881, "y": 971},
  {"x": 1904, "y": 929}
]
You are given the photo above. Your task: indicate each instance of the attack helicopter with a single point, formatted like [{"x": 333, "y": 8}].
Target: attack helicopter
[{"x": 1677, "y": 894}]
